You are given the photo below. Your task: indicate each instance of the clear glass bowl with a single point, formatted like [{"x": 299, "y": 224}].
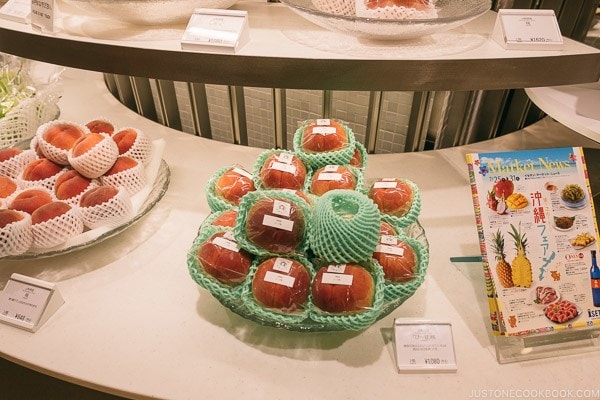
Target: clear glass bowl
[
  {"x": 159, "y": 188},
  {"x": 241, "y": 304},
  {"x": 147, "y": 12},
  {"x": 341, "y": 16}
]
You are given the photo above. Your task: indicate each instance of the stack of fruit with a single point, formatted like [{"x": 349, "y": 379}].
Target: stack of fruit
[
  {"x": 72, "y": 178},
  {"x": 301, "y": 243}
]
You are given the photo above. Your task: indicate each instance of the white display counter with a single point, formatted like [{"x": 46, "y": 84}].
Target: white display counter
[
  {"x": 135, "y": 324},
  {"x": 575, "y": 106}
]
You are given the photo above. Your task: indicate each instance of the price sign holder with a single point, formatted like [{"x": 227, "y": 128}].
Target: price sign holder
[
  {"x": 424, "y": 346},
  {"x": 216, "y": 31},
  {"x": 42, "y": 15},
  {"x": 527, "y": 30},
  {"x": 16, "y": 10},
  {"x": 28, "y": 303}
]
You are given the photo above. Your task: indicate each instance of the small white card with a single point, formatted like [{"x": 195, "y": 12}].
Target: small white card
[
  {"x": 216, "y": 31},
  {"x": 42, "y": 14},
  {"x": 424, "y": 346},
  {"x": 527, "y": 30},
  {"x": 16, "y": 10},
  {"x": 337, "y": 279},
  {"x": 27, "y": 302},
  {"x": 280, "y": 279}
]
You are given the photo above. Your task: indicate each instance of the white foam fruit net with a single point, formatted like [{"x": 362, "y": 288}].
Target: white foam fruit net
[
  {"x": 16, "y": 238},
  {"x": 74, "y": 201},
  {"x": 394, "y": 12},
  {"x": 19, "y": 190},
  {"x": 141, "y": 150},
  {"x": 96, "y": 161},
  {"x": 57, "y": 230},
  {"x": 13, "y": 167},
  {"x": 53, "y": 153},
  {"x": 22, "y": 121},
  {"x": 132, "y": 179},
  {"x": 359, "y": 8},
  {"x": 47, "y": 183},
  {"x": 110, "y": 213},
  {"x": 337, "y": 7}
]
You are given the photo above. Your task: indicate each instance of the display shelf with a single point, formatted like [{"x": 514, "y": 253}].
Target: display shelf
[
  {"x": 575, "y": 106},
  {"x": 286, "y": 51},
  {"x": 135, "y": 324}
]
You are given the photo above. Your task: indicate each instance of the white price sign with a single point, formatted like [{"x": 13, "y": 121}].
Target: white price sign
[
  {"x": 220, "y": 31},
  {"x": 424, "y": 346},
  {"x": 527, "y": 30},
  {"x": 42, "y": 14},
  {"x": 28, "y": 302}
]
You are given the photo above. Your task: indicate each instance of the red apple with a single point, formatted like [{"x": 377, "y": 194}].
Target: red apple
[
  {"x": 323, "y": 135},
  {"x": 276, "y": 225},
  {"x": 233, "y": 185},
  {"x": 221, "y": 258},
  {"x": 282, "y": 284},
  {"x": 397, "y": 258},
  {"x": 226, "y": 218},
  {"x": 332, "y": 177},
  {"x": 339, "y": 288},
  {"x": 387, "y": 229},
  {"x": 356, "y": 160},
  {"x": 283, "y": 171},
  {"x": 392, "y": 196}
]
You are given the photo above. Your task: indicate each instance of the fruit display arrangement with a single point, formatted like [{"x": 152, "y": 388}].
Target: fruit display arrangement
[
  {"x": 302, "y": 242},
  {"x": 73, "y": 178}
]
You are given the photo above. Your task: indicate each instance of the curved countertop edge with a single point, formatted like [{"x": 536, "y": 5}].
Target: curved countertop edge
[
  {"x": 575, "y": 106},
  {"x": 306, "y": 68},
  {"x": 124, "y": 354}
]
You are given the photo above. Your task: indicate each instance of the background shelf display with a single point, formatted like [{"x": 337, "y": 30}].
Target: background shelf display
[
  {"x": 278, "y": 55},
  {"x": 130, "y": 303}
]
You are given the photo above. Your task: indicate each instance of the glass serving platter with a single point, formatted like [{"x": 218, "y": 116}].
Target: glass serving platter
[
  {"x": 242, "y": 307},
  {"x": 156, "y": 192},
  {"x": 340, "y": 16},
  {"x": 146, "y": 12}
]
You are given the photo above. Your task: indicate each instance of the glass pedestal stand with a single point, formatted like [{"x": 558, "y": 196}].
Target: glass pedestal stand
[
  {"x": 522, "y": 348},
  {"x": 525, "y": 347}
]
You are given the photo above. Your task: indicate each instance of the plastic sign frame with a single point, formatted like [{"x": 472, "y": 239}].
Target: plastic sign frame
[
  {"x": 216, "y": 31},
  {"x": 517, "y": 29},
  {"x": 28, "y": 303},
  {"x": 16, "y": 10},
  {"x": 424, "y": 346}
]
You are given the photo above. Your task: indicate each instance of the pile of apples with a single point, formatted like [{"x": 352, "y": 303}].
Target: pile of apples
[{"x": 257, "y": 236}]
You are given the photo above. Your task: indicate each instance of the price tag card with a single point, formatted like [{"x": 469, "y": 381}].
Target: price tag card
[
  {"x": 216, "y": 31},
  {"x": 42, "y": 14},
  {"x": 527, "y": 30},
  {"x": 424, "y": 346},
  {"x": 16, "y": 10},
  {"x": 28, "y": 302}
]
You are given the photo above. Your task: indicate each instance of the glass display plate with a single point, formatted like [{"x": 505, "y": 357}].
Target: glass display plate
[
  {"x": 147, "y": 12},
  {"x": 159, "y": 188},
  {"x": 240, "y": 306},
  {"x": 340, "y": 16}
]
